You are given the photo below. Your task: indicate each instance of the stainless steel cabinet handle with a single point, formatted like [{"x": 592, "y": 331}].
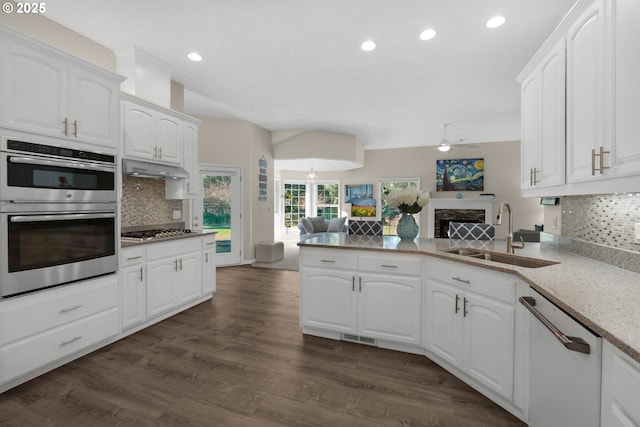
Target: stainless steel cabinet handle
[
  {"x": 141, "y": 277},
  {"x": 457, "y": 308},
  {"x": 330, "y": 261},
  {"x": 593, "y": 160},
  {"x": 134, "y": 257},
  {"x": 66, "y": 126},
  {"x": 75, "y": 128},
  {"x": 180, "y": 264},
  {"x": 468, "y": 282},
  {"x": 155, "y": 152},
  {"x": 72, "y": 340},
  {"x": 464, "y": 307},
  {"x": 66, "y": 310},
  {"x": 388, "y": 266},
  {"x": 206, "y": 257},
  {"x": 160, "y": 152},
  {"x": 176, "y": 265},
  {"x": 353, "y": 283},
  {"x": 360, "y": 284},
  {"x": 571, "y": 343}
]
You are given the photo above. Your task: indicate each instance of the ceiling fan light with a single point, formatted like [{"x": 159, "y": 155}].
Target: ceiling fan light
[{"x": 444, "y": 148}]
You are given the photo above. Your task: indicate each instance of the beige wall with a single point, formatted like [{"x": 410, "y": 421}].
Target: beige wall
[
  {"x": 239, "y": 143},
  {"x": 502, "y": 177},
  {"x": 54, "y": 34}
]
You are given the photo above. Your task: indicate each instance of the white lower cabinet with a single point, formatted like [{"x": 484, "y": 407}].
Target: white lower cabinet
[
  {"x": 366, "y": 297},
  {"x": 46, "y": 327},
  {"x": 133, "y": 287},
  {"x": 174, "y": 274},
  {"x": 209, "y": 264},
  {"x": 469, "y": 322},
  {"x": 620, "y": 388}
]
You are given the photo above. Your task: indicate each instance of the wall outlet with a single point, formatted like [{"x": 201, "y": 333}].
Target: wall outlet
[
  {"x": 636, "y": 233},
  {"x": 177, "y": 214}
]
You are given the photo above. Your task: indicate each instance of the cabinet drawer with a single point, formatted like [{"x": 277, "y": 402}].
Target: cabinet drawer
[
  {"x": 132, "y": 256},
  {"x": 475, "y": 279},
  {"x": 329, "y": 258},
  {"x": 173, "y": 248},
  {"x": 209, "y": 241},
  {"x": 394, "y": 264},
  {"x": 35, "y": 313},
  {"x": 38, "y": 350}
]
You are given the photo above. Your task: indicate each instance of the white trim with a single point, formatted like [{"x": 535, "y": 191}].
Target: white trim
[{"x": 480, "y": 204}]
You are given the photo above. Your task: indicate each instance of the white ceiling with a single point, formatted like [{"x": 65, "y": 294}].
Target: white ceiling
[{"x": 297, "y": 64}]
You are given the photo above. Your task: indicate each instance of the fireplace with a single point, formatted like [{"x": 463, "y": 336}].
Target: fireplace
[{"x": 444, "y": 211}]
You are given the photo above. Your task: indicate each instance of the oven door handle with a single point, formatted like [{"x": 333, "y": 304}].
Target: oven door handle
[
  {"x": 63, "y": 217},
  {"x": 60, "y": 163}
]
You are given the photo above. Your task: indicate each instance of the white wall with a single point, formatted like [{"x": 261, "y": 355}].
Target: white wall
[{"x": 502, "y": 177}]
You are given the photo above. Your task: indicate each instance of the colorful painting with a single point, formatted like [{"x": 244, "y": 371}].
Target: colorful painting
[
  {"x": 460, "y": 175},
  {"x": 361, "y": 198}
]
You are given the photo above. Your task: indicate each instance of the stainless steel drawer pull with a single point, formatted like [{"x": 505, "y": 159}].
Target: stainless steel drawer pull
[
  {"x": 468, "y": 282},
  {"x": 134, "y": 257},
  {"x": 141, "y": 276},
  {"x": 75, "y": 128},
  {"x": 353, "y": 283},
  {"x": 571, "y": 343},
  {"x": 388, "y": 266},
  {"x": 330, "y": 261},
  {"x": 72, "y": 340},
  {"x": 66, "y": 310},
  {"x": 464, "y": 307},
  {"x": 457, "y": 308},
  {"x": 210, "y": 243}
]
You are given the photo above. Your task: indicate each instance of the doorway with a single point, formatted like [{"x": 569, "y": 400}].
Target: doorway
[{"x": 221, "y": 208}]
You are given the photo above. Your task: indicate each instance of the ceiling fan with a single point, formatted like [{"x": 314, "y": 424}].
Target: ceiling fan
[{"x": 445, "y": 144}]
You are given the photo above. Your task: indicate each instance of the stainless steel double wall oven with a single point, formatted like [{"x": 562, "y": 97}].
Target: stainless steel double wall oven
[{"x": 58, "y": 215}]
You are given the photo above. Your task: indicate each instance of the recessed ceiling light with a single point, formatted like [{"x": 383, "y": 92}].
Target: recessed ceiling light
[
  {"x": 496, "y": 21},
  {"x": 194, "y": 56},
  {"x": 428, "y": 34},
  {"x": 368, "y": 46}
]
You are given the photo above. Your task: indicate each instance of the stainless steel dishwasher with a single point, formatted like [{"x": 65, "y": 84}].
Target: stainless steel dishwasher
[{"x": 565, "y": 360}]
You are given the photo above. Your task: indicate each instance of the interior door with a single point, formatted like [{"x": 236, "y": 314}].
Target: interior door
[{"x": 222, "y": 212}]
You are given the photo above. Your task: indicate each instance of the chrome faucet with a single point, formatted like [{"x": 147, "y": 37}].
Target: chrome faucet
[{"x": 510, "y": 244}]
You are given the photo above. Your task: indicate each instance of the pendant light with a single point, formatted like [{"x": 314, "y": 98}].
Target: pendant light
[{"x": 312, "y": 177}]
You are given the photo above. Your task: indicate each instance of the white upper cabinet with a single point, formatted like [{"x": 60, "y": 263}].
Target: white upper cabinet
[
  {"x": 543, "y": 122},
  {"x": 602, "y": 108},
  {"x": 625, "y": 34},
  {"x": 585, "y": 95},
  {"x": 50, "y": 93}
]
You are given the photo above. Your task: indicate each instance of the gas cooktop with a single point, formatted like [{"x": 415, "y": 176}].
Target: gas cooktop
[{"x": 160, "y": 233}]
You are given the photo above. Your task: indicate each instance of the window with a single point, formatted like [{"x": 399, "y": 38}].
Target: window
[
  {"x": 328, "y": 200},
  {"x": 295, "y": 199},
  {"x": 391, "y": 216}
]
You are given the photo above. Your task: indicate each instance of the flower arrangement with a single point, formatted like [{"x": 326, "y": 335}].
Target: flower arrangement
[{"x": 407, "y": 200}]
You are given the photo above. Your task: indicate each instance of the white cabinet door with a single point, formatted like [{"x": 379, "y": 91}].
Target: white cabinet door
[
  {"x": 625, "y": 153},
  {"x": 209, "y": 272},
  {"x": 189, "y": 277},
  {"x": 169, "y": 139},
  {"x": 34, "y": 90},
  {"x": 133, "y": 296},
  {"x": 620, "y": 388},
  {"x": 489, "y": 342},
  {"x": 93, "y": 108},
  {"x": 186, "y": 188},
  {"x": 585, "y": 95},
  {"x": 160, "y": 289},
  {"x": 328, "y": 299},
  {"x": 550, "y": 154},
  {"x": 443, "y": 322},
  {"x": 389, "y": 307},
  {"x": 530, "y": 118},
  {"x": 139, "y": 131}
]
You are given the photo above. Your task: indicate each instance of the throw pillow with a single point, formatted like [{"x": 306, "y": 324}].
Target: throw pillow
[
  {"x": 336, "y": 225},
  {"x": 319, "y": 225},
  {"x": 306, "y": 225}
]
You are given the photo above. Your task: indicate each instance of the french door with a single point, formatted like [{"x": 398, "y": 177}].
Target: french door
[{"x": 221, "y": 208}]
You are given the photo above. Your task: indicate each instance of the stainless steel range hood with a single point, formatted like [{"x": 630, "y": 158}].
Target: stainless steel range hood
[{"x": 152, "y": 170}]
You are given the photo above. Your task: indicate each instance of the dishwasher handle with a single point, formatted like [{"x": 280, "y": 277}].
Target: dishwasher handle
[{"x": 571, "y": 343}]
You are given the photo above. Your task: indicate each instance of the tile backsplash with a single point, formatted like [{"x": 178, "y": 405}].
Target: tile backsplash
[
  {"x": 606, "y": 219},
  {"x": 144, "y": 203}
]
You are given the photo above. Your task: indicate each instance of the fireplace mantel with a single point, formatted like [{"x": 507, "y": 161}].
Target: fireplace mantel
[{"x": 484, "y": 204}]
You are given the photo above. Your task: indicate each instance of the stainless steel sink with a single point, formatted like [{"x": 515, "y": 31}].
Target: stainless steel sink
[{"x": 503, "y": 258}]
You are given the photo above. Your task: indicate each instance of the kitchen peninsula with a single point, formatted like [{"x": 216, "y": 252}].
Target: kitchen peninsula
[{"x": 379, "y": 291}]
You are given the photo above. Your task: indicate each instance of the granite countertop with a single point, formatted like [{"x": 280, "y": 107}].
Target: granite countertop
[{"x": 603, "y": 297}]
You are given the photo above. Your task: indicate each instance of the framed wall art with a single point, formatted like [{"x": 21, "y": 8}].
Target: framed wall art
[{"x": 460, "y": 175}]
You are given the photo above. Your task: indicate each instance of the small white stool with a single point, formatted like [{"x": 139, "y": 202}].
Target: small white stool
[{"x": 269, "y": 251}]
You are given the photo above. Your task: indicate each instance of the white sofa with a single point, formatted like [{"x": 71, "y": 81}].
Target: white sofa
[{"x": 313, "y": 226}]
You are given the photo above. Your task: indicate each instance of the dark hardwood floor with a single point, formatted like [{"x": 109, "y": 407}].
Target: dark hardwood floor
[{"x": 241, "y": 360}]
